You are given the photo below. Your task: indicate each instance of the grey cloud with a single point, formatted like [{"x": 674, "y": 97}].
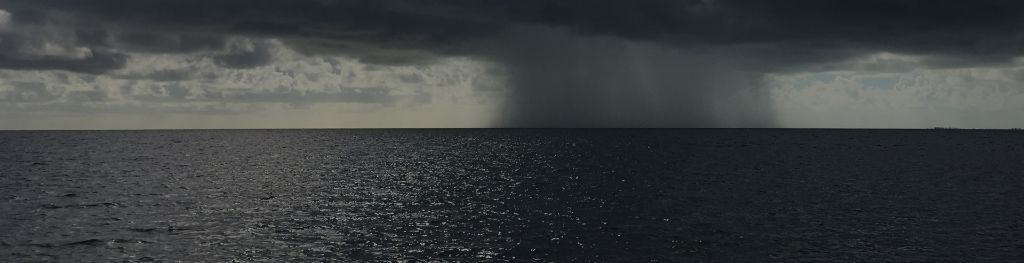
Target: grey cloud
[
  {"x": 368, "y": 54},
  {"x": 176, "y": 92},
  {"x": 36, "y": 92},
  {"x": 88, "y": 96},
  {"x": 36, "y": 48},
  {"x": 868, "y": 65},
  {"x": 258, "y": 54},
  {"x": 166, "y": 75},
  {"x": 165, "y": 42},
  {"x": 157, "y": 92},
  {"x": 945, "y": 62},
  {"x": 30, "y": 92},
  {"x": 97, "y": 62},
  {"x": 1017, "y": 75},
  {"x": 75, "y": 108},
  {"x": 353, "y": 95},
  {"x": 410, "y": 78}
]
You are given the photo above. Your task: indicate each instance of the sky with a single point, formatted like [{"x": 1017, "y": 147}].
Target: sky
[{"x": 186, "y": 64}]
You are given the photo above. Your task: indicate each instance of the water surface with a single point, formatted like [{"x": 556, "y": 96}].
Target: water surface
[{"x": 512, "y": 195}]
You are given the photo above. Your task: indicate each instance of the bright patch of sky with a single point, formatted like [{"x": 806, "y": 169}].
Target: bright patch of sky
[{"x": 983, "y": 97}]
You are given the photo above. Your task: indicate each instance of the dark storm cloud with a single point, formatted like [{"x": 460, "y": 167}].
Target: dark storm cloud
[
  {"x": 981, "y": 29},
  {"x": 591, "y": 51},
  {"x": 97, "y": 62}
]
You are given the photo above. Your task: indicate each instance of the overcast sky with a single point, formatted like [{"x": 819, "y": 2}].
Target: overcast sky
[{"x": 156, "y": 64}]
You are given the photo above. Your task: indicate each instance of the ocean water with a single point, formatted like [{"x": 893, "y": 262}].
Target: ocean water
[{"x": 512, "y": 195}]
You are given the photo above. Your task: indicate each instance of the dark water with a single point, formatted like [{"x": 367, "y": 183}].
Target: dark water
[{"x": 512, "y": 195}]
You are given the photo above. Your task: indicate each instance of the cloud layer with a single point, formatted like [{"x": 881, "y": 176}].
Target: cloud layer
[{"x": 566, "y": 63}]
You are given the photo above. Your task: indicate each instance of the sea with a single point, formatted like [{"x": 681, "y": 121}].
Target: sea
[{"x": 508, "y": 195}]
